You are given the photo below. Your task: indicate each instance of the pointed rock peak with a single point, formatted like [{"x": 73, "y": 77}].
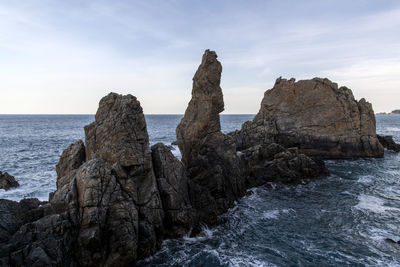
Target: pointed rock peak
[
  {"x": 202, "y": 114},
  {"x": 207, "y": 79}
]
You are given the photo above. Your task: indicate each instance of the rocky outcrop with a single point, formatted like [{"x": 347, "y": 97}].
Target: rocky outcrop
[
  {"x": 274, "y": 163},
  {"x": 210, "y": 156},
  {"x": 317, "y": 117},
  {"x": 107, "y": 210},
  {"x": 388, "y": 143},
  {"x": 119, "y": 137},
  {"x": 7, "y": 181}
]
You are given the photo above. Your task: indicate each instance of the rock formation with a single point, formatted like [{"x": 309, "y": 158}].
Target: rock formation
[
  {"x": 274, "y": 163},
  {"x": 317, "y": 117},
  {"x": 117, "y": 198},
  {"x": 388, "y": 143},
  {"x": 173, "y": 185},
  {"x": 208, "y": 154},
  {"x": 7, "y": 181}
]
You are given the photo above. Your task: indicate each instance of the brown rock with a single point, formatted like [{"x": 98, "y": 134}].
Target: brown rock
[
  {"x": 7, "y": 181},
  {"x": 316, "y": 116}
]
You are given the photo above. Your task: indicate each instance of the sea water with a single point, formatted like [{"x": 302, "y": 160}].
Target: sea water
[{"x": 339, "y": 220}]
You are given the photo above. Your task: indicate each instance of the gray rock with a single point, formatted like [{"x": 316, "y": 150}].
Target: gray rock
[
  {"x": 174, "y": 190},
  {"x": 274, "y": 163},
  {"x": 71, "y": 159},
  {"x": 388, "y": 143}
]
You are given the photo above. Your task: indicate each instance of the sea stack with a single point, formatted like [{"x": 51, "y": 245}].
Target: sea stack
[
  {"x": 213, "y": 167},
  {"x": 317, "y": 117}
]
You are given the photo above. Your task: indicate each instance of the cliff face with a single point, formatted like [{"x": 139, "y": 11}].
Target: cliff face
[{"x": 317, "y": 117}]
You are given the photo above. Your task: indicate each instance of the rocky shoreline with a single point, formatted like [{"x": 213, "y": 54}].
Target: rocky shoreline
[{"x": 117, "y": 198}]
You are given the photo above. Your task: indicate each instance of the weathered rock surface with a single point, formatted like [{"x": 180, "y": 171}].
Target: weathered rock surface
[
  {"x": 119, "y": 137},
  {"x": 7, "y": 181},
  {"x": 173, "y": 185},
  {"x": 388, "y": 143},
  {"x": 210, "y": 156},
  {"x": 317, "y": 117},
  {"x": 107, "y": 209}
]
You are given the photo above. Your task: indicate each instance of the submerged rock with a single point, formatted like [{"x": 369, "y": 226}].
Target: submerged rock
[
  {"x": 7, "y": 181},
  {"x": 317, "y": 117},
  {"x": 388, "y": 143}
]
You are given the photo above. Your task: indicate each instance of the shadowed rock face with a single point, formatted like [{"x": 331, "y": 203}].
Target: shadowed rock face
[
  {"x": 7, "y": 181},
  {"x": 173, "y": 185},
  {"x": 317, "y": 117},
  {"x": 210, "y": 156},
  {"x": 388, "y": 143}
]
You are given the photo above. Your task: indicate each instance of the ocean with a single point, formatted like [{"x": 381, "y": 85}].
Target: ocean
[{"x": 339, "y": 220}]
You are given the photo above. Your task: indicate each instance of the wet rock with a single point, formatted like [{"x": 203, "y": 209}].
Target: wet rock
[
  {"x": 173, "y": 185},
  {"x": 317, "y": 117},
  {"x": 388, "y": 143},
  {"x": 215, "y": 178},
  {"x": 7, "y": 181}
]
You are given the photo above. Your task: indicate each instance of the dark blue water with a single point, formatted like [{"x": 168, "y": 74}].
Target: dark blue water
[{"x": 341, "y": 220}]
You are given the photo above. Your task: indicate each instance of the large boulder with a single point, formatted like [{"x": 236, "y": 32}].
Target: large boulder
[
  {"x": 317, "y": 117},
  {"x": 7, "y": 181},
  {"x": 210, "y": 156}
]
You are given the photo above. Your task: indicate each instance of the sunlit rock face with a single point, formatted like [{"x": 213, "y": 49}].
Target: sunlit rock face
[{"x": 317, "y": 117}]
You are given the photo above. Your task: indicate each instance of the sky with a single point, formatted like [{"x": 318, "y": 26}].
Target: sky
[{"x": 61, "y": 57}]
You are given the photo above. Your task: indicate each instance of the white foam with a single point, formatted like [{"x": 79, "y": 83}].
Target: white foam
[
  {"x": 374, "y": 204},
  {"x": 366, "y": 179},
  {"x": 393, "y": 129},
  {"x": 274, "y": 214}
]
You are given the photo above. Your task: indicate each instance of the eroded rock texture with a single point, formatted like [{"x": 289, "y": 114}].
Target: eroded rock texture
[
  {"x": 210, "y": 156},
  {"x": 173, "y": 185},
  {"x": 317, "y": 117},
  {"x": 7, "y": 181}
]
